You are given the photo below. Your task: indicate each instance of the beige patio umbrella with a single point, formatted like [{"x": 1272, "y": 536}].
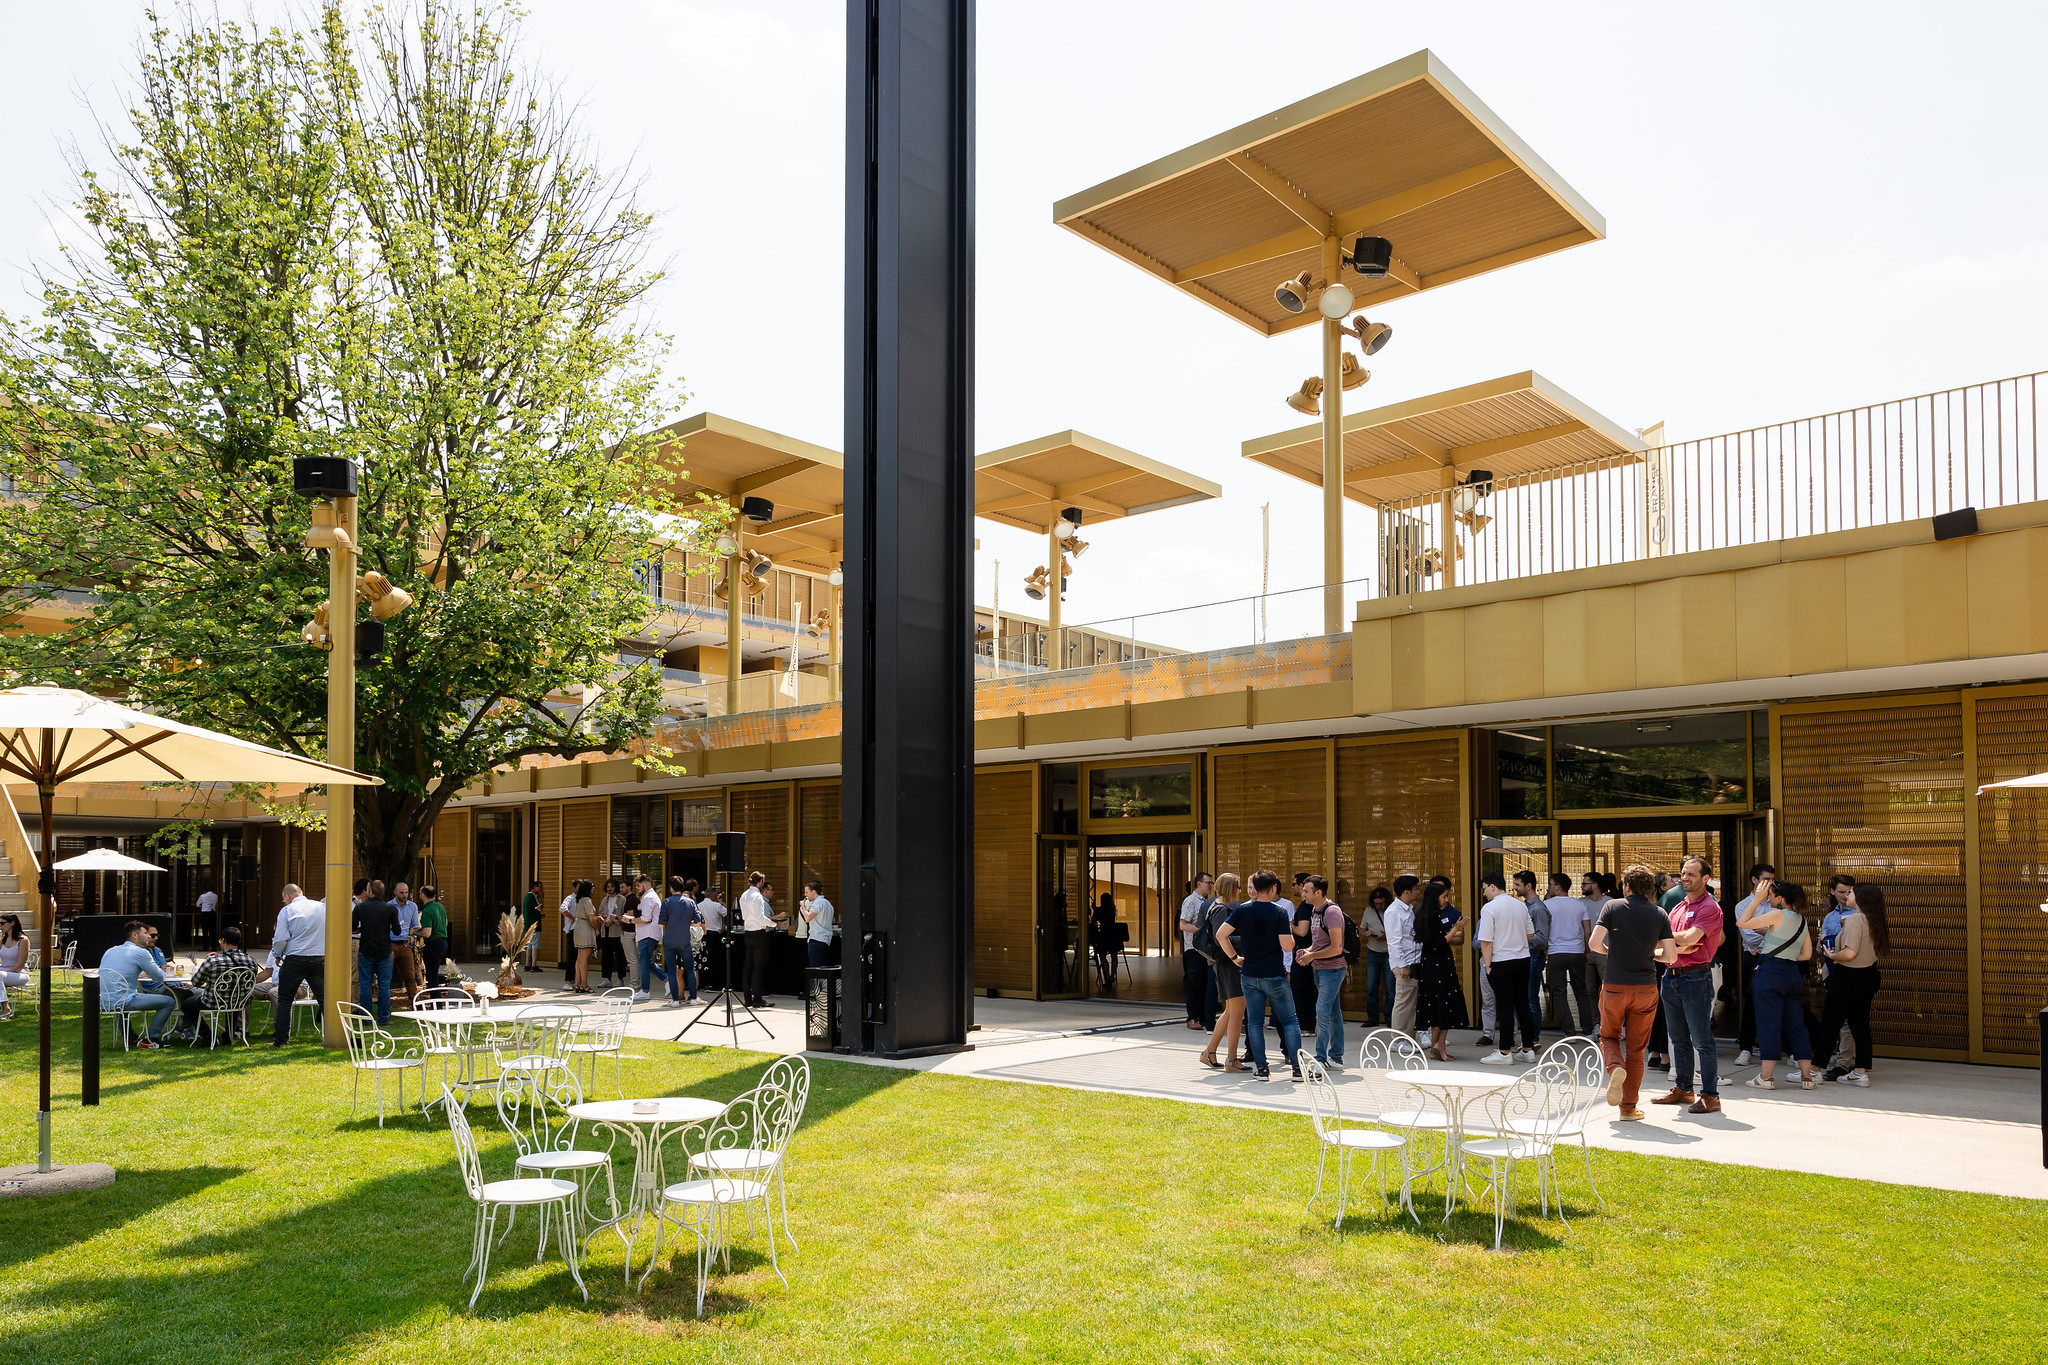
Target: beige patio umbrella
[{"x": 53, "y": 735}]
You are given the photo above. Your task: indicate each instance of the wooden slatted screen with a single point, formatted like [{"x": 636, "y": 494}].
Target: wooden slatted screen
[
  {"x": 762, "y": 813},
  {"x": 547, "y": 869},
  {"x": 1271, "y": 807},
  {"x": 818, "y": 837},
  {"x": 2012, "y": 852},
  {"x": 586, "y": 832},
  {"x": 1397, "y": 811},
  {"x": 1005, "y": 880},
  {"x": 270, "y": 879},
  {"x": 1878, "y": 794},
  {"x": 313, "y": 873},
  {"x": 451, "y": 873}
]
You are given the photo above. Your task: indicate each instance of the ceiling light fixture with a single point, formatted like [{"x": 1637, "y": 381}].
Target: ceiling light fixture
[
  {"x": 727, "y": 545},
  {"x": 1336, "y": 303}
]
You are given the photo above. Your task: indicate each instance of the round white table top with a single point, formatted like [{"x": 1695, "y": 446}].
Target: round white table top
[
  {"x": 671, "y": 1109},
  {"x": 502, "y": 1014},
  {"x": 1446, "y": 1078}
]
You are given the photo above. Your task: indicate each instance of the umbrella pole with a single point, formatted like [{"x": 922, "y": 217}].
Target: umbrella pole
[{"x": 46, "y": 884}]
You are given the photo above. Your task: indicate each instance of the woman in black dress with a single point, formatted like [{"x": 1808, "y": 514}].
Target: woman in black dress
[{"x": 1439, "y": 1001}]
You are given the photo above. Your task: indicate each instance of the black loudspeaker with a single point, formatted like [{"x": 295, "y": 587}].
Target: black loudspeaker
[
  {"x": 732, "y": 851},
  {"x": 1961, "y": 522},
  {"x": 246, "y": 869},
  {"x": 323, "y": 476}
]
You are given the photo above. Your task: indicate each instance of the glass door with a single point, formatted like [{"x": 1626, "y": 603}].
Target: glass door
[
  {"x": 1062, "y": 955},
  {"x": 1507, "y": 847}
]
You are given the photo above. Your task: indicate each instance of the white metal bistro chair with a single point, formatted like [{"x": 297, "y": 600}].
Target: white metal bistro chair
[
  {"x": 1347, "y": 1140},
  {"x": 1400, "y": 1108},
  {"x": 534, "y": 1107},
  {"x": 701, "y": 1206},
  {"x": 1525, "y": 1119},
  {"x": 1581, "y": 1056},
  {"x": 125, "y": 1013},
  {"x": 537, "y": 1040},
  {"x": 510, "y": 1196},
  {"x": 227, "y": 1005},
  {"x": 784, "y": 1091},
  {"x": 373, "y": 1050},
  {"x": 601, "y": 1030},
  {"x": 451, "y": 1043}
]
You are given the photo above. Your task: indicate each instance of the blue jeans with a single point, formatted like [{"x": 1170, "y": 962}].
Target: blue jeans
[
  {"x": 1379, "y": 985},
  {"x": 650, "y": 969},
  {"x": 1259, "y": 992},
  {"x": 161, "y": 1008},
  {"x": 374, "y": 972},
  {"x": 1537, "y": 957},
  {"x": 1330, "y": 1015},
  {"x": 684, "y": 958},
  {"x": 1781, "y": 1010},
  {"x": 1688, "y": 999}
]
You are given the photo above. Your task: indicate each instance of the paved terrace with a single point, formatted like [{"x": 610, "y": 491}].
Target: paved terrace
[{"x": 1936, "y": 1124}]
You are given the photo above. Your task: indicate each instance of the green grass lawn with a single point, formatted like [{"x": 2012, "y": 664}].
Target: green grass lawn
[{"x": 947, "y": 1219}]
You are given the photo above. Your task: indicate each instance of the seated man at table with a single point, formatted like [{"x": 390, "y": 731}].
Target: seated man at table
[
  {"x": 199, "y": 998},
  {"x": 122, "y": 968}
]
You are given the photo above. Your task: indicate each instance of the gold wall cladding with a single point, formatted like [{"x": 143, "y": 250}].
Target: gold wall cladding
[
  {"x": 1270, "y": 810},
  {"x": 1005, "y": 879},
  {"x": 2012, "y": 853},
  {"x": 449, "y": 869},
  {"x": 1397, "y": 811},
  {"x": 1878, "y": 597},
  {"x": 818, "y": 837},
  {"x": 762, "y": 813},
  {"x": 1290, "y": 663},
  {"x": 1878, "y": 793}
]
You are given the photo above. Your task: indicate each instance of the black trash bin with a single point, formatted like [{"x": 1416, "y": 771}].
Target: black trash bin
[{"x": 821, "y": 1008}]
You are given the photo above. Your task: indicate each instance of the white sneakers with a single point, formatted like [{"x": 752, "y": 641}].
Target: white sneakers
[
  {"x": 1861, "y": 1078},
  {"x": 1525, "y": 1054},
  {"x": 641, "y": 997},
  {"x": 1497, "y": 1058},
  {"x": 1742, "y": 1057}
]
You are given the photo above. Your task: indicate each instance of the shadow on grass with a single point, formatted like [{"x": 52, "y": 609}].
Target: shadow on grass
[{"x": 30, "y": 1228}]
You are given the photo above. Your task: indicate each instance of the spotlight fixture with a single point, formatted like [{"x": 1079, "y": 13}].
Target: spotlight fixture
[
  {"x": 726, "y": 545},
  {"x": 327, "y": 532},
  {"x": 1372, "y": 336},
  {"x": 1474, "y": 522},
  {"x": 1335, "y": 304},
  {"x": 1371, "y": 257},
  {"x": 1073, "y": 545},
  {"x": 1352, "y": 373},
  {"x": 1304, "y": 399},
  {"x": 1035, "y": 585},
  {"x": 315, "y": 632},
  {"x": 385, "y": 601},
  {"x": 757, "y": 509},
  {"x": 1293, "y": 294}
]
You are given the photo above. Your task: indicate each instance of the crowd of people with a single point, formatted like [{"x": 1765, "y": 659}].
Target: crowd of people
[{"x": 1647, "y": 962}]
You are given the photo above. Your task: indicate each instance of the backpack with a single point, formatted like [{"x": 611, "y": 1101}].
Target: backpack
[
  {"x": 1205, "y": 930},
  {"x": 1352, "y": 943}
]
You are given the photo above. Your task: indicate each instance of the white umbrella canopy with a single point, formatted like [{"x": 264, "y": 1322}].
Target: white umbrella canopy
[
  {"x": 2032, "y": 780},
  {"x": 53, "y": 735},
  {"x": 105, "y": 860}
]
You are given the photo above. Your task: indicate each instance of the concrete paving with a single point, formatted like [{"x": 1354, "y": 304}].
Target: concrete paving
[{"x": 1941, "y": 1125}]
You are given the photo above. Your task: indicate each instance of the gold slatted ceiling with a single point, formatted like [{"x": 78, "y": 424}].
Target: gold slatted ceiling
[
  {"x": 1520, "y": 425},
  {"x": 1026, "y": 485},
  {"x": 1877, "y": 793},
  {"x": 2012, "y": 838},
  {"x": 1406, "y": 152},
  {"x": 1005, "y": 880}
]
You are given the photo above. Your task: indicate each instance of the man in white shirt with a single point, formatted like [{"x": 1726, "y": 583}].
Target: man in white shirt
[
  {"x": 298, "y": 945},
  {"x": 1404, "y": 950},
  {"x": 645, "y": 917},
  {"x": 208, "y": 903},
  {"x": 1194, "y": 968},
  {"x": 757, "y": 921},
  {"x": 1504, "y": 932},
  {"x": 1566, "y": 969}
]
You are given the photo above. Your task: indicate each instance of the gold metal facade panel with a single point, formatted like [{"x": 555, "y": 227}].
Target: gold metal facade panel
[
  {"x": 1398, "y": 810},
  {"x": 1504, "y": 650},
  {"x": 763, "y": 815},
  {"x": 1005, "y": 878},
  {"x": 2012, "y": 874},
  {"x": 1270, "y": 809}
]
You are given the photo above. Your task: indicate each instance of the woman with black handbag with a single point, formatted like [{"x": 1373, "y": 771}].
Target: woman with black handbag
[{"x": 1779, "y": 986}]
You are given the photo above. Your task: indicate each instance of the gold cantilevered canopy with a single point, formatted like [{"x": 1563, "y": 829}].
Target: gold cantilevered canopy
[
  {"x": 805, "y": 482},
  {"x": 1405, "y": 152},
  {"x": 1026, "y": 485},
  {"x": 1517, "y": 425}
]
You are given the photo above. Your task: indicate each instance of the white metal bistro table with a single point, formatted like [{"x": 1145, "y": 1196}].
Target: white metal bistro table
[
  {"x": 1455, "y": 1090},
  {"x": 671, "y": 1114},
  {"x": 466, "y": 1053}
]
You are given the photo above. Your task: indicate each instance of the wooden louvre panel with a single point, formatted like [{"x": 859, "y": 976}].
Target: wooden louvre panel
[
  {"x": 270, "y": 879},
  {"x": 1878, "y": 794},
  {"x": 1271, "y": 807},
  {"x": 762, "y": 814},
  {"x": 547, "y": 869},
  {"x": 1005, "y": 880},
  {"x": 585, "y": 834},
  {"x": 451, "y": 872},
  {"x": 2012, "y": 862},
  {"x": 1397, "y": 811},
  {"x": 818, "y": 837}
]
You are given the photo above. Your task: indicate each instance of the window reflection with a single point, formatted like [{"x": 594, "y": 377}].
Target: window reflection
[{"x": 1679, "y": 761}]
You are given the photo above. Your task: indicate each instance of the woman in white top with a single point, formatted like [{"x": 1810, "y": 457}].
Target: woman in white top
[
  {"x": 588, "y": 917},
  {"x": 13, "y": 960}
]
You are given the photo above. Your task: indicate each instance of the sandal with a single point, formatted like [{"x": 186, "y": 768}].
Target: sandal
[
  {"x": 1761, "y": 1083},
  {"x": 1209, "y": 1060}
]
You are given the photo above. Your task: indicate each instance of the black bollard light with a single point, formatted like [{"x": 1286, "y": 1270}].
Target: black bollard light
[{"x": 89, "y": 1049}]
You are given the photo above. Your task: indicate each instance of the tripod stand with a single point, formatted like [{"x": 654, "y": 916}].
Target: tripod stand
[{"x": 725, "y": 995}]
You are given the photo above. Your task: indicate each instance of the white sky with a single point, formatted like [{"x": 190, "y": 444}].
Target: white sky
[{"x": 1809, "y": 207}]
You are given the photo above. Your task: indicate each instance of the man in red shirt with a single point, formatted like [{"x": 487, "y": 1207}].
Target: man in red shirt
[{"x": 1688, "y": 991}]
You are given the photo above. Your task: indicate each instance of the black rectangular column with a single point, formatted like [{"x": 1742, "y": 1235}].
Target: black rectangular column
[{"x": 907, "y": 758}]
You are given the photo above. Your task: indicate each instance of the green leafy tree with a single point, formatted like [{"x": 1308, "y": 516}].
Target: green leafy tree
[{"x": 387, "y": 244}]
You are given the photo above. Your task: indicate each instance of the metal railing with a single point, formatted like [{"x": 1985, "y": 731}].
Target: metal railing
[{"x": 1976, "y": 446}]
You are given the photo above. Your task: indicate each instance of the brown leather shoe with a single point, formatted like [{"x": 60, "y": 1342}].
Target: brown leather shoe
[
  {"x": 1706, "y": 1104},
  {"x": 1675, "y": 1096}
]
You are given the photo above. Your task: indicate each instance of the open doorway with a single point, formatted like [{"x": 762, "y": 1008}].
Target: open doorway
[{"x": 1135, "y": 888}]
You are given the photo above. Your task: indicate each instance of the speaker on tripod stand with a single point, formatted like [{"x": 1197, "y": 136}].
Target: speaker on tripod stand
[{"x": 731, "y": 853}]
